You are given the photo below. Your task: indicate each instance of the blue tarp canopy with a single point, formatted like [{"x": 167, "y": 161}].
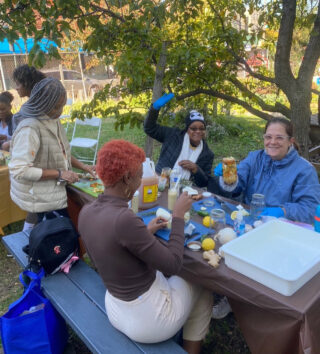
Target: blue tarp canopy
[{"x": 19, "y": 46}]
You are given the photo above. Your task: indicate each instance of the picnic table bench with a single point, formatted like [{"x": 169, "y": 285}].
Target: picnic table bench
[{"x": 79, "y": 297}]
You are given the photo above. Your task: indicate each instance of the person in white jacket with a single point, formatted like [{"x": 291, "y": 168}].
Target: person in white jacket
[{"x": 41, "y": 162}]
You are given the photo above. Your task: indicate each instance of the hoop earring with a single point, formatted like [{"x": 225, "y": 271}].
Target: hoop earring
[{"x": 127, "y": 192}]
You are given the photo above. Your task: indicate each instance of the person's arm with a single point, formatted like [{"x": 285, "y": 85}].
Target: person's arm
[
  {"x": 305, "y": 197},
  {"x": 145, "y": 246},
  {"x": 24, "y": 151},
  {"x": 81, "y": 166},
  {"x": 153, "y": 129}
]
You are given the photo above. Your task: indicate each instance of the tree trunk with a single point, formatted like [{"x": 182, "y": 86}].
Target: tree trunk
[
  {"x": 157, "y": 90},
  {"x": 300, "y": 119}
]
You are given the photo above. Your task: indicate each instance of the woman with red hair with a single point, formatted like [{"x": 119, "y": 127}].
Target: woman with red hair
[{"x": 132, "y": 261}]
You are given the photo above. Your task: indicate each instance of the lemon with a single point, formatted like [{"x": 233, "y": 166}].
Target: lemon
[
  {"x": 208, "y": 244},
  {"x": 234, "y": 215},
  {"x": 207, "y": 221}
]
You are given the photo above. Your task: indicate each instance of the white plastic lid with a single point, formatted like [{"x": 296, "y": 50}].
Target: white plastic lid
[{"x": 206, "y": 194}]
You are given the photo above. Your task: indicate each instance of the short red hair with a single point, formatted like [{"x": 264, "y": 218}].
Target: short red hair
[{"x": 116, "y": 158}]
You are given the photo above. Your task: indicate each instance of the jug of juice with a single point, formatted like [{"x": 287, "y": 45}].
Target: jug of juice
[{"x": 148, "y": 190}]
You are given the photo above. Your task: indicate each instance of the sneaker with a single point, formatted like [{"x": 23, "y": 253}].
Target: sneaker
[{"x": 222, "y": 309}]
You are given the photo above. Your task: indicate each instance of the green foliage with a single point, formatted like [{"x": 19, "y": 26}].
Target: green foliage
[{"x": 206, "y": 47}]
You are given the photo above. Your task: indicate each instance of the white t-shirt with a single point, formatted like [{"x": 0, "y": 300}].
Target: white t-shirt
[{"x": 4, "y": 131}]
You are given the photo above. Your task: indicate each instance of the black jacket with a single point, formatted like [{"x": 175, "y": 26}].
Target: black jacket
[{"x": 172, "y": 141}]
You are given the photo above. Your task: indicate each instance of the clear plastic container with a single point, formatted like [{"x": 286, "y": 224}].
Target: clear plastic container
[
  {"x": 257, "y": 205},
  {"x": 218, "y": 219}
]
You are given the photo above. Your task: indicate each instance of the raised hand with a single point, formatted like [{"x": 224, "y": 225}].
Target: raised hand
[{"x": 160, "y": 102}]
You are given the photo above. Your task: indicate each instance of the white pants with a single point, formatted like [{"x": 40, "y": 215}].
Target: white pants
[{"x": 159, "y": 313}]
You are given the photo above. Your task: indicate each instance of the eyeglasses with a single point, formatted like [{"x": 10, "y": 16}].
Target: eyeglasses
[
  {"x": 202, "y": 129},
  {"x": 277, "y": 138}
]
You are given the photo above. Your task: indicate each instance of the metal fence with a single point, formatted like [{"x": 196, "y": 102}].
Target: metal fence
[{"x": 81, "y": 74}]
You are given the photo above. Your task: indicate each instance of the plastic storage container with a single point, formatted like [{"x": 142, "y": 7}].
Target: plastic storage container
[{"x": 279, "y": 255}]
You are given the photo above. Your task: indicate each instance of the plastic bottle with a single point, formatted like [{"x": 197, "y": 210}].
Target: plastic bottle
[
  {"x": 172, "y": 198},
  {"x": 148, "y": 190},
  {"x": 317, "y": 220},
  {"x": 239, "y": 224},
  {"x": 174, "y": 176}
]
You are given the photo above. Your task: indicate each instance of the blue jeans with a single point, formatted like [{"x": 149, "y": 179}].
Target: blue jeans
[{"x": 51, "y": 215}]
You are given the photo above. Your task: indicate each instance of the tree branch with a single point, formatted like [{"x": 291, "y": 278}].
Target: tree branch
[
  {"x": 312, "y": 52},
  {"x": 278, "y": 107},
  {"x": 252, "y": 73},
  {"x": 108, "y": 12},
  {"x": 229, "y": 98}
]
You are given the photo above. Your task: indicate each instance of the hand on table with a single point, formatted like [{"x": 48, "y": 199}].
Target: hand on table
[
  {"x": 160, "y": 102},
  {"x": 157, "y": 224},
  {"x": 90, "y": 169},
  {"x": 188, "y": 165},
  {"x": 273, "y": 211},
  {"x": 69, "y": 176}
]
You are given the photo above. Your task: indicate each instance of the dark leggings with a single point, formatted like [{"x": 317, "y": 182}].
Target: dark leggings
[{"x": 51, "y": 215}]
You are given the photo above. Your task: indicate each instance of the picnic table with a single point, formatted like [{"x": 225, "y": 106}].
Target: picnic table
[
  {"x": 269, "y": 321},
  {"x": 9, "y": 211}
]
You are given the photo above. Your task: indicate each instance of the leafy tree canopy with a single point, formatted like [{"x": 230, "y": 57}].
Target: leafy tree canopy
[{"x": 202, "y": 45}]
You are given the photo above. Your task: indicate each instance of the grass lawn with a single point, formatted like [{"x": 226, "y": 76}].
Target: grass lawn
[{"x": 242, "y": 135}]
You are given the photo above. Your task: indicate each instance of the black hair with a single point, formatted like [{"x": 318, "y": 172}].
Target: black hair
[
  {"x": 27, "y": 76},
  {"x": 6, "y": 97},
  {"x": 288, "y": 127}
]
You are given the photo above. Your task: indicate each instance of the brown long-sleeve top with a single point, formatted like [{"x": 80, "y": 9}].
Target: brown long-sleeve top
[{"x": 125, "y": 253}]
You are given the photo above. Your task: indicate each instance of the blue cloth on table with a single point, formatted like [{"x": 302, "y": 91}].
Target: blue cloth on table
[
  {"x": 217, "y": 205},
  {"x": 147, "y": 216}
]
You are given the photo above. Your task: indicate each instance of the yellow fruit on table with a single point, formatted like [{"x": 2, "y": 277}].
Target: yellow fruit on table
[
  {"x": 234, "y": 215},
  {"x": 208, "y": 244},
  {"x": 207, "y": 221}
]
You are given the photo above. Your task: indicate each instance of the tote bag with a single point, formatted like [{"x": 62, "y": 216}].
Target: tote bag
[{"x": 31, "y": 324}]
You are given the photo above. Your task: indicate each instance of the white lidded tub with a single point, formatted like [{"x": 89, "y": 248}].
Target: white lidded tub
[{"x": 277, "y": 254}]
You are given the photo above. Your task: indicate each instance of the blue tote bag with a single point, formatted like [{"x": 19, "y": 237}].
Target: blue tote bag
[{"x": 31, "y": 324}]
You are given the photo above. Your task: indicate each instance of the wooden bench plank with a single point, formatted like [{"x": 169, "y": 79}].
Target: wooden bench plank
[
  {"x": 14, "y": 244},
  {"x": 79, "y": 298},
  {"x": 85, "y": 318},
  {"x": 91, "y": 283}
]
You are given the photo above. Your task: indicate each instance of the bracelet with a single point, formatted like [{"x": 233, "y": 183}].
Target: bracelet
[{"x": 59, "y": 176}]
